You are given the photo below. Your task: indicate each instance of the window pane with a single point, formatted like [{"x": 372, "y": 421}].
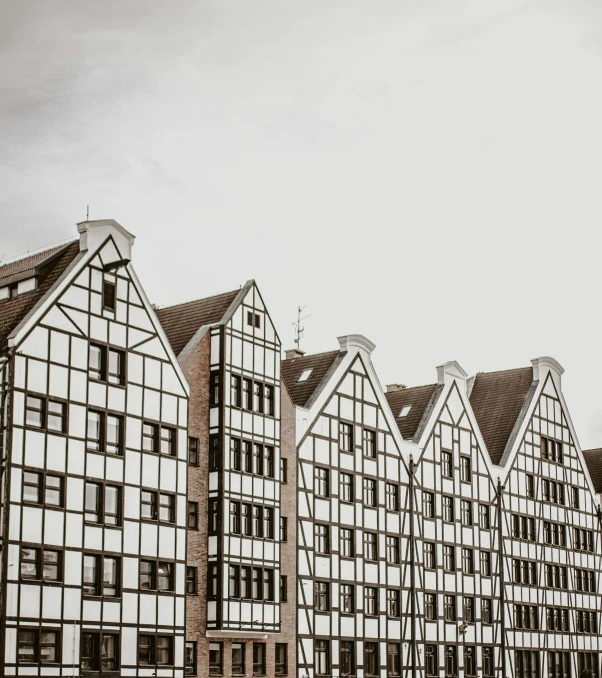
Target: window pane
[
  {"x": 90, "y": 574},
  {"x": 32, "y": 483},
  {"x": 54, "y": 491},
  {"x": 94, "y": 430},
  {"x": 27, "y": 646},
  {"x": 56, "y": 416},
  {"x": 113, "y": 434},
  {"x": 51, "y": 566},
  {"x": 110, "y": 576},
  {"x": 108, "y": 652}
]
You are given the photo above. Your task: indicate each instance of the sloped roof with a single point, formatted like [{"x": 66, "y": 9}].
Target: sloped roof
[
  {"x": 181, "y": 322},
  {"x": 497, "y": 399},
  {"x": 48, "y": 266},
  {"x": 419, "y": 398},
  {"x": 320, "y": 365},
  {"x": 593, "y": 459}
]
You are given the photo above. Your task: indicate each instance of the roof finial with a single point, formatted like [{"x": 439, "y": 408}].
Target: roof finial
[{"x": 87, "y": 212}]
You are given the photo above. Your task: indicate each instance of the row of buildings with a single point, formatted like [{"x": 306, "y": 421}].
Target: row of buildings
[{"x": 180, "y": 498}]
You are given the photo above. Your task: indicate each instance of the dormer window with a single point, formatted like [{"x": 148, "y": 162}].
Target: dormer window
[
  {"x": 405, "y": 410},
  {"x": 16, "y": 289},
  {"x": 304, "y": 376}
]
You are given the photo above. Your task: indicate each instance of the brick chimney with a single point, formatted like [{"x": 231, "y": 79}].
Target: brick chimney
[
  {"x": 293, "y": 353},
  {"x": 391, "y": 388}
]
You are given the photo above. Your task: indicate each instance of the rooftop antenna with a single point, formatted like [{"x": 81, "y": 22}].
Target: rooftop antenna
[{"x": 299, "y": 328}]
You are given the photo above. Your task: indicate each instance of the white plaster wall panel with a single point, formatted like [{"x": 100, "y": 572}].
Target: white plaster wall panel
[
  {"x": 113, "y": 540},
  {"x": 149, "y": 536},
  {"x": 73, "y": 530},
  {"x": 152, "y": 404},
  {"x": 12, "y": 599},
  {"x": 29, "y": 603},
  {"x": 32, "y": 524},
  {"x": 36, "y": 344},
  {"x": 150, "y": 471},
  {"x": 131, "y": 533},
  {"x": 37, "y": 376}
]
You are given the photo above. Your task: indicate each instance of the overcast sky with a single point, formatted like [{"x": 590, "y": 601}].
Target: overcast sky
[{"x": 425, "y": 173}]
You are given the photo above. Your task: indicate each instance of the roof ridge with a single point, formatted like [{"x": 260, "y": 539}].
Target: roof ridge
[
  {"x": 312, "y": 355},
  {"x": 23, "y": 256},
  {"x": 194, "y": 301},
  {"x": 511, "y": 369}
]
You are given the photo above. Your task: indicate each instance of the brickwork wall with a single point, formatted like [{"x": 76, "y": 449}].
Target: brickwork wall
[{"x": 196, "y": 370}]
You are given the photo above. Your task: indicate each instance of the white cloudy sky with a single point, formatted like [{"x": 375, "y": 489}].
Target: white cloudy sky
[{"x": 425, "y": 173}]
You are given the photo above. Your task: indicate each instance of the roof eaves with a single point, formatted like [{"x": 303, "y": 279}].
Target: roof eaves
[{"x": 427, "y": 413}]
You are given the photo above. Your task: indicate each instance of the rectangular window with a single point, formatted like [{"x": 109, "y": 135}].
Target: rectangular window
[
  {"x": 484, "y": 517},
  {"x": 96, "y": 430},
  {"x": 530, "y": 486},
  {"x": 393, "y": 603},
  {"x": 216, "y": 659},
  {"x": 488, "y": 662},
  {"x": 486, "y": 612},
  {"x": 150, "y": 436},
  {"x": 235, "y": 390},
  {"x": 268, "y": 522},
  {"x": 114, "y": 435},
  {"x": 99, "y": 651},
  {"x": 345, "y": 437},
  {"x": 165, "y": 576},
  {"x": 346, "y": 487},
  {"x": 449, "y": 608},
  {"x": 234, "y": 517},
  {"x": 322, "y": 596},
  {"x": 369, "y": 443},
  {"x": 370, "y": 600},
  {"x": 257, "y": 397},
  {"x": 465, "y": 469},
  {"x": 369, "y": 492},
  {"x": 45, "y": 489},
  {"x": 347, "y": 549},
  {"x": 116, "y": 371},
  {"x": 526, "y": 664},
  {"x": 449, "y": 558},
  {"x": 468, "y": 609},
  {"x": 35, "y": 411},
  {"x": 451, "y": 662},
  {"x": 392, "y": 549},
  {"x": 191, "y": 580},
  {"x": 371, "y": 663},
  {"x": 97, "y": 362},
  {"x": 470, "y": 663},
  {"x": 430, "y": 606},
  {"x": 347, "y": 599},
  {"x": 192, "y": 517},
  {"x": 347, "y": 658},
  {"x": 321, "y": 657},
  {"x": 103, "y": 504},
  {"x": 214, "y": 389},
  {"x": 467, "y": 561},
  {"x": 238, "y": 659},
  {"x": 428, "y": 504},
  {"x": 559, "y": 664},
  {"x": 281, "y": 659},
  {"x": 234, "y": 581},
  {"x": 268, "y": 396},
  {"x": 551, "y": 450},
  {"x": 447, "y": 464},
  {"x": 168, "y": 441},
  {"x": 212, "y": 579},
  {"x": 57, "y": 417},
  {"x": 574, "y": 497},
  {"x": 486, "y": 563},
  {"x": 321, "y": 481},
  {"x": 283, "y": 588},
  {"x": 35, "y": 646},
  {"x": 588, "y": 662},
  {"x": 193, "y": 451},
  {"x": 370, "y": 546},
  {"x": 393, "y": 659},
  {"x": 253, "y": 319},
  {"x": 41, "y": 564},
  {"x": 322, "y": 539},
  {"x": 283, "y": 470},
  {"x": 448, "y": 508},
  {"x": 430, "y": 557},
  {"x": 431, "y": 661},
  {"x": 101, "y": 576},
  {"x": 259, "y": 659},
  {"x": 214, "y": 452},
  {"x": 283, "y": 529},
  {"x": 466, "y": 512},
  {"x": 109, "y": 295},
  {"x": 246, "y": 394},
  {"x": 258, "y": 459},
  {"x": 268, "y": 461},
  {"x": 190, "y": 659}
]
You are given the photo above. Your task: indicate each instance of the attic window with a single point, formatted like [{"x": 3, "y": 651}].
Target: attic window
[
  {"x": 16, "y": 289},
  {"x": 405, "y": 410},
  {"x": 305, "y": 375},
  {"x": 253, "y": 319},
  {"x": 108, "y": 295}
]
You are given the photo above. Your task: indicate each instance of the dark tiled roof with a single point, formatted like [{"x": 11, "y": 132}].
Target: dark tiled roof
[
  {"x": 13, "y": 311},
  {"x": 181, "y": 322},
  {"x": 497, "y": 399},
  {"x": 28, "y": 264},
  {"x": 419, "y": 398},
  {"x": 320, "y": 364},
  {"x": 593, "y": 459}
]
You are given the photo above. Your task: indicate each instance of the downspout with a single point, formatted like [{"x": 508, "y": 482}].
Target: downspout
[
  {"x": 412, "y": 573},
  {"x": 501, "y": 563},
  {"x": 6, "y": 403}
]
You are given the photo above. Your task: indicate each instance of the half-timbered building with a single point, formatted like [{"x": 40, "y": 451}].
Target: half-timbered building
[
  {"x": 354, "y": 537},
  {"x": 550, "y": 529},
  {"x": 93, "y": 474},
  {"x": 242, "y": 488}
]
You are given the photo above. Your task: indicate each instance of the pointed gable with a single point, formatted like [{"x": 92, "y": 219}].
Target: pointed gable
[
  {"x": 48, "y": 267},
  {"x": 417, "y": 399},
  {"x": 319, "y": 365},
  {"x": 181, "y": 322},
  {"x": 497, "y": 399}
]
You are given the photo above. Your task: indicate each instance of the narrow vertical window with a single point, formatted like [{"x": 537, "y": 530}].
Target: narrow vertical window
[
  {"x": 235, "y": 390},
  {"x": 193, "y": 451},
  {"x": 108, "y": 295},
  {"x": 214, "y": 389}
]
